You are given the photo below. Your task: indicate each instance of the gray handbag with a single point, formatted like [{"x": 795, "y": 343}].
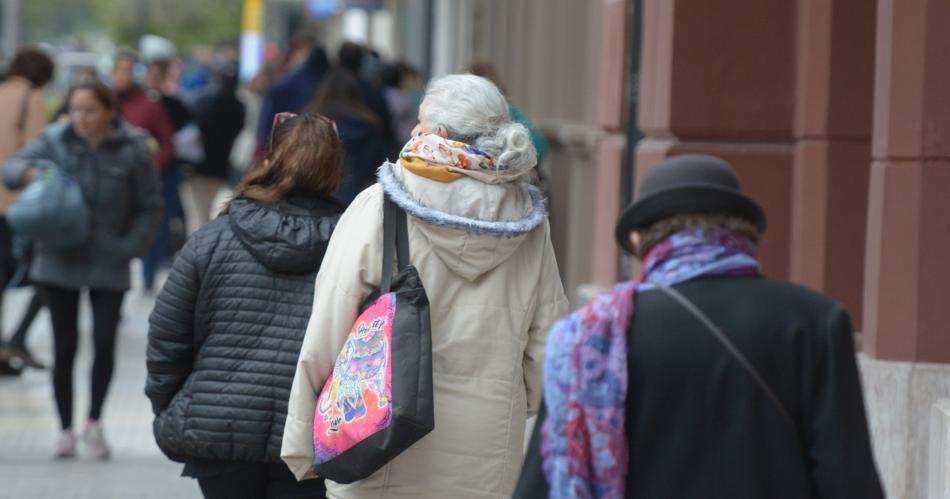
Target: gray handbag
[{"x": 52, "y": 209}]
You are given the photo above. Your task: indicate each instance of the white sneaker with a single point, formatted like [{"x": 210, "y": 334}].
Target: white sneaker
[
  {"x": 95, "y": 441},
  {"x": 65, "y": 445}
]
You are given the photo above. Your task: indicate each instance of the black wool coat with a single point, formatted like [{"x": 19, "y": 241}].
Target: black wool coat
[
  {"x": 226, "y": 330},
  {"x": 697, "y": 424}
]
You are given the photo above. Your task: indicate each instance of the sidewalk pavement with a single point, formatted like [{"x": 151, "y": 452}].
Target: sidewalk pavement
[{"x": 28, "y": 422}]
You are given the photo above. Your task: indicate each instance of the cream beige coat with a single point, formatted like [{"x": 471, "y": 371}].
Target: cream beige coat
[
  {"x": 485, "y": 257},
  {"x": 12, "y": 92}
]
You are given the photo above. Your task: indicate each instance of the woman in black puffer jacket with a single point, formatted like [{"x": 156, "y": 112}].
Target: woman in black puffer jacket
[{"x": 225, "y": 334}]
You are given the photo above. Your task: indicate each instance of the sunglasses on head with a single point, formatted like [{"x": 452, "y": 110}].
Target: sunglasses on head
[{"x": 281, "y": 118}]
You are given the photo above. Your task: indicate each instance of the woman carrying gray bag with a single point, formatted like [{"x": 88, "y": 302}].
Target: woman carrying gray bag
[{"x": 111, "y": 164}]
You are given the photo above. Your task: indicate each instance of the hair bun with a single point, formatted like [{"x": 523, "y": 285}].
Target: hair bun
[{"x": 512, "y": 149}]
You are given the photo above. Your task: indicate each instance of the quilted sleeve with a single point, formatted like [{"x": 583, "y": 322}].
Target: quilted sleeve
[{"x": 171, "y": 350}]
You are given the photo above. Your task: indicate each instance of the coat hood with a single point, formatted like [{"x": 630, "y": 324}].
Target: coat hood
[
  {"x": 472, "y": 226},
  {"x": 290, "y": 236}
]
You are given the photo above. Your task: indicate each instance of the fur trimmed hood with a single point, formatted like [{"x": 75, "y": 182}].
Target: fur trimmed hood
[
  {"x": 472, "y": 226},
  {"x": 467, "y": 205}
]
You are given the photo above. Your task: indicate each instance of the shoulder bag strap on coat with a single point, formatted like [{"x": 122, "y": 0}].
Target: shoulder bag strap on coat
[
  {"x": 395, "y": 242},
  {"x": 732, "y": 349},
  {"x": 402, "y": 238},
  {"x": 389, "y": 244}
]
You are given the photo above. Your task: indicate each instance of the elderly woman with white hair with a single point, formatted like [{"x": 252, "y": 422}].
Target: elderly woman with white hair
[{"x": 480, "y": 240}]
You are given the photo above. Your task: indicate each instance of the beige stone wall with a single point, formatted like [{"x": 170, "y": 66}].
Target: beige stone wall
[
  {"x": 939, "y": 473},
  {"x": 900, "y": 397}
]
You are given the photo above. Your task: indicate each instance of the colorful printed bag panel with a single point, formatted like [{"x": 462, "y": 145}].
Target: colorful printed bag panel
[{"x": 356, "y": 402}]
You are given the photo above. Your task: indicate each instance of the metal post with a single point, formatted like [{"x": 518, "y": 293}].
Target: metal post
[
  {"x": 634, "y": 135},
  {"x": 11, "y": 28},
  {"x": 252, "y": 39}
]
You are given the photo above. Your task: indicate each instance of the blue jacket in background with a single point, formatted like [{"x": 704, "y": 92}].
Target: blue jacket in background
[{"x": 293, "y": 92}]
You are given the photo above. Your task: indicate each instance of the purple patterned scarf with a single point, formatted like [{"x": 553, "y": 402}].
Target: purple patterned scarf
[{"x": 583, "y": 444}]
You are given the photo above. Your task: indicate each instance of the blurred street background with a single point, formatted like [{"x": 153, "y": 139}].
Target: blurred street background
[{"x": 27, "y": 420}]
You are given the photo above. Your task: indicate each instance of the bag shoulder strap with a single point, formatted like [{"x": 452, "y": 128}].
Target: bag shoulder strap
[
  {"x": 395, "y": 242},
  {"x": 402, "y": 239},
  {"x": 731, "y": 348}
]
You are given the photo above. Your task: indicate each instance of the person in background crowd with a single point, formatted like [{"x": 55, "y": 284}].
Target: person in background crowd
[
  {"x": 351, "y": 58},
  {"x": 144, "y": 109},
  {"x": 403, "y": 95},
  {"x": 293, "y": 92},
  {"x": 21, "y": 93},
  {"x": 486, "y": 69},
  {"x": 186, "y": 150},
  {"x": 196, "y": 74},
  {"x": 79, "y": 75},
  {"x": 220, "y": 116},
  {"x": 114, "y": 167},
  {"x": 265, "y": 249},
  {"x": 479, "y": 237},
  {"x": 269, "y": 73},
  {"x": 252, "y": 96},
  {"x": 773, "y": 410},
  {"x": 360, "y": 129}
]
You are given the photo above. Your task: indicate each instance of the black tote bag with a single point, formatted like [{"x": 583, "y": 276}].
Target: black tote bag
[{"x": 378, "y": 400}]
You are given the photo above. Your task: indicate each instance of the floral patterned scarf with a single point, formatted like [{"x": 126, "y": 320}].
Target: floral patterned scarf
[
  {"x": 584, "y": 445},
  {"x": 444, "y": 160}
]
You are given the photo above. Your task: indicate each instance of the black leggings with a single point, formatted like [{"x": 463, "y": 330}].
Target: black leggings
[{"x": 63, "y": 307}]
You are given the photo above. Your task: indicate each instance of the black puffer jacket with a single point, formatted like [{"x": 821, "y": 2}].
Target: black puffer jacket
[{"x": 226, "y": 330}]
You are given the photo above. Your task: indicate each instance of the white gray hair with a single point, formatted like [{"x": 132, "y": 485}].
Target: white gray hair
[{"x": 472, "y": 110}]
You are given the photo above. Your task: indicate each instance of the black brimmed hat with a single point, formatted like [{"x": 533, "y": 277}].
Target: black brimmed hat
[{"x": 690, "y": 183}]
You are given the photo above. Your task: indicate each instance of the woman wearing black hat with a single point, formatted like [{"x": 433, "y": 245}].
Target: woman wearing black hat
[{"x": 701, "y": 378}]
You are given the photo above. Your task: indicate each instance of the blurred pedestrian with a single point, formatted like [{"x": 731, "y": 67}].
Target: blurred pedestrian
[
  {"x": 21, "y": 92},
  {"x": 702, "y": 366},
  {"x": 360, "y": 129},
  {"x": 478, "y": 234},
  {"x": 186, "y": 151},
  {"x": 292, "y": 92},
  {"x": 79, "y": 75},
  {"x": 351, "y": 57},
  {"x": 220, "y": 117},
  {"x": 227, "y": 327},
  {"x": 143, "y": 109},
  {"x": 246, "y": 146},
  {"x": 197, "y": 72},
  {"x": 113, "y": 165},
  {"x": 403, "y": 94}
]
